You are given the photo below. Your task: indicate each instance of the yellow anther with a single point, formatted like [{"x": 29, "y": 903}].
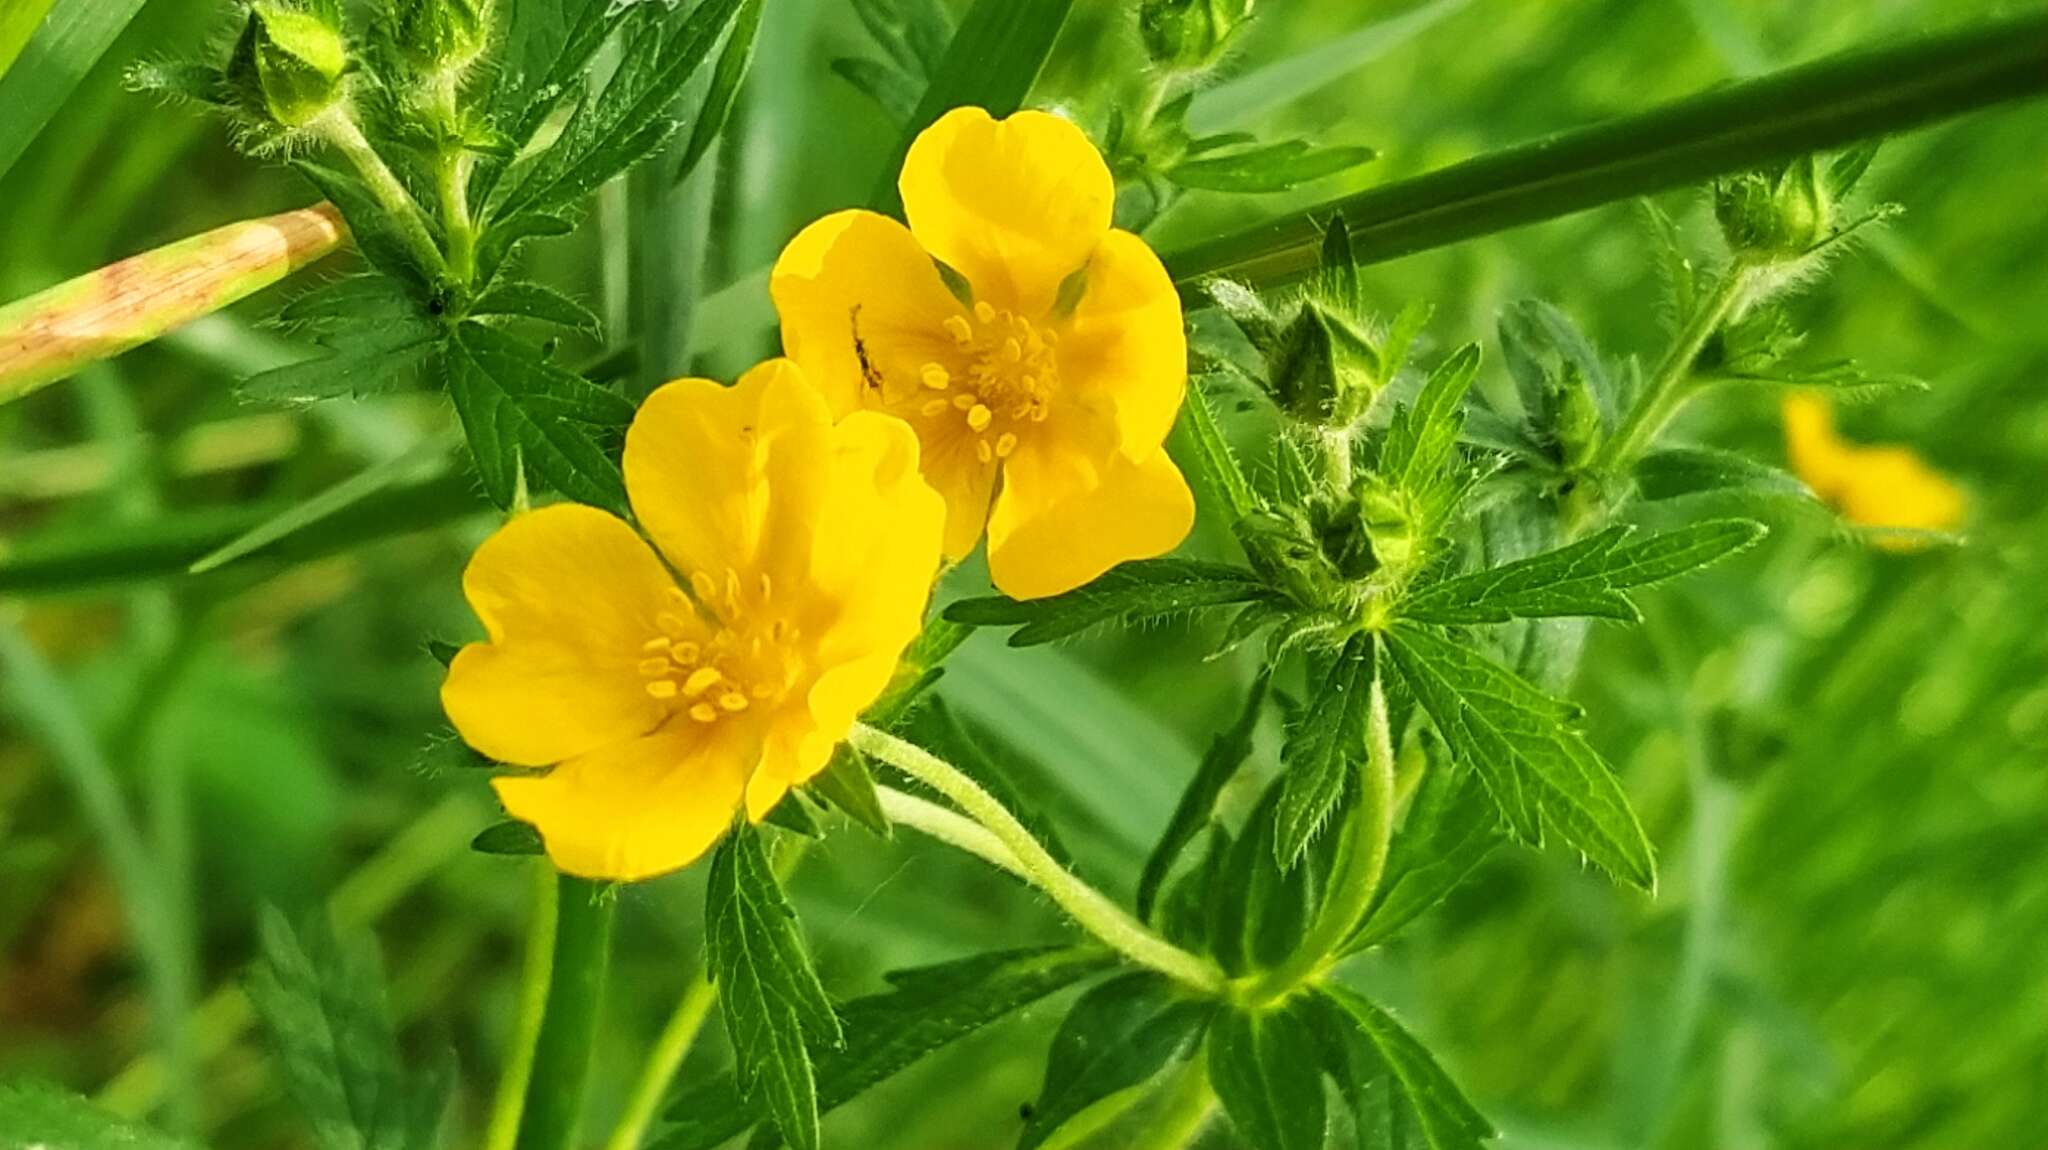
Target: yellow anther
[
  {"x": 763, "y": 690},
  {"x": 658, "y": 643},
  {"x": 701, "y": 680},
  {"x": 935, "y": 377},
  {"x": 671, "y": 622},
  {"x": 934, "y": 406},
  {"x": 732, "y": 590},
  {"x": 704, "y": 585},
  {"x": 675, "y": 595},
  {"x": 704, "y": 712},
  {"x": 662, "y": 688},
  {"x": 685, "y": 654},
  {"x": 961, "y": 330},
  {"x": 982, "y": 452},
  {"x": 1050, "y": 337},
  {"x": 1039, "y": 413},
  {"x": 984, "y": 311},
  {"x": 978, "y": 417},
  {"x": 963, "y": 402},
  {"x": 733, "y": 701},
  {"x": 654, "y": 666},
  {"x": 1013, "y": 352},
  {"x": 1005, "y": 444}
]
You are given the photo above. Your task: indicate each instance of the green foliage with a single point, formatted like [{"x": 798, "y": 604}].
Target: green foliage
[
  {"x": 1689, "y": 471},
  {"x": 510, "y": 837},
  {"x": 923, "y": 1011},
  {"x": 726, "y": 78},
  {"x": 773, "y": 1005},
  {"x": 1137, "y": 591},
  {"x": 1450, "y": 828},
  {"x": 1197, "y": 806},
  {"x": 1262, "y": 1070},
  {"x": 1326, "y": 741},
  {"x": 912, "y": 35},
  {"x": 36, "y": 1114},
  {"x": 321, "y": 997},
  {"x": 1585, "y": 578},
  {"x": 1117, "y": 1036},
  {"x": 524, "y": 415},
  {"x": 1360, "y": 1043}
]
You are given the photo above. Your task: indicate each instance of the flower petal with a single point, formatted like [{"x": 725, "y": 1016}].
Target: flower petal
[
  {"x": 567, "y": 594},
  {"x": 1126, "y": 341},
  {"x": 863, "y": 309},
  {"x": 1015, "y": 205},
  {"x": 640, "y": 808},
  {"x": 1058, "y": 525},
  {"x": 710, "y": 468}
]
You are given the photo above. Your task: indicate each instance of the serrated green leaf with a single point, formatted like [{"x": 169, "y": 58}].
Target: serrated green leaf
[
  {"x": 1546, "y": 355},
  {"x": 365, "y": 361},
  {"x": 1451, "y": 825},
  {"x": 537, "y": 301},
  {"x": 503, "y": 239},
  {"x": 1584, "y": 578},
  {"x": 521, "y": 411},
  {"x": 1197, "y": 806},
  {"x": 1675, "y": 269},
  {"x": 369, "y": 226},
  {"x": 368, "y": 297},
  {"x": 726, "y": 78},
  {"x": 1259, "y": 912},
  {"x": 1845, "y": 381},
  {"x": 1370, "y": 1039},
  {"x": 1320, "y": 750},
  {"x": 1219, "y": 470},
  {"x": 925, "y": 1009},
  {"x": 768, "y": 993},
  {"x": 1540, "y": 772},
  {"x": 1264, "y": 1071},
  {"x": 1116, "y": 1036},
  {"x": 510, "y": 837},
  {"x": 1422, "y": 438},
  {"x": 43, "y": 1117},
  {"x": 321, "y": 997},
  {"x": 1274, "y": 167},
  {"x": 1128, "y": 593},
  {"x": 1684, "y": 472}
]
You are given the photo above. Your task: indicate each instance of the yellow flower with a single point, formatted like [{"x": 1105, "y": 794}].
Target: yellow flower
[
  {"x": 1884, "y": 486},
  {"x": 1041, "y": 398},
  {"x": 808, "y": 551}
]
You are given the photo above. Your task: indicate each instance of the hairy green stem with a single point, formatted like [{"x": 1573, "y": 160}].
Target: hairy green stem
[
  {"x": 510, "y": 1101},
  {"x": 1814, "y": 107},
  {"x": 1361, "y": 862},
  {"x": 455, "y": 218},
  {"x": 1666, "y": 392},
  {"x": 1090, "y": 908},
  {"x": 956, "y": 831},
  {"x": 568, "y": 1027},
  {"x": 1186, "y": 1104},
  {"x": 339, "y": 129}
]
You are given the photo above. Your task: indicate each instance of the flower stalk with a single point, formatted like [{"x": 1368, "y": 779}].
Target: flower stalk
[
  {"x": 52, "y": 334},
  {"x": 1667, "y": 389},
  {"x": 510, "y": 1100},
  {"x": 339, "y": 129},
  {"x": 560, "y": 1069},
  {"x": 1090, "y": 908}
]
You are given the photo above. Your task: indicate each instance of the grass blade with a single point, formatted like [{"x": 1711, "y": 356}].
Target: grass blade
[{"x": 51, "y": 63}]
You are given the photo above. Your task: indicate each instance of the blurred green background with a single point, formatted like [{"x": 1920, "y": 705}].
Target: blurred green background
[{"x": 1838, "y": 752}]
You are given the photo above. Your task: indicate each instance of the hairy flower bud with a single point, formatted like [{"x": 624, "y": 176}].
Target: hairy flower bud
[
  {"x": 1190, "y": 34},
  {"x": 1284, "y": 552},
  {"x": 1321, "y": 361},
  {"x": 1776, "y": 216},
  {"x": 289, "y": 63},
  {"x": 442, "y": 35}
]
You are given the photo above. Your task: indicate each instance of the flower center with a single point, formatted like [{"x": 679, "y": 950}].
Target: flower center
[
  {"x": 722, "y": 653},
  {"x": 1008, "y": 376}
]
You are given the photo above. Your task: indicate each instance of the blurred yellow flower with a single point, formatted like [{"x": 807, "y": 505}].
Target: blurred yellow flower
[
  {"x": 808, "y": 551},
  {"x": 1876, "y": 486},
  {"x": 1042, "y": 393}
]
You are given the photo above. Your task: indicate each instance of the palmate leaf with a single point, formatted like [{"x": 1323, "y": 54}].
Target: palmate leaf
[
  {"x": 1129, "y": 593},
  {"x": 322, "y": 1000},
  {"x": 1263, "y": 1068},
  {"x": 770, "y": 997},
  {"x": 1227, "y": 752},
  {"x": 520, "y": 411},
  {"x": 1585, "y": 578},
  {"x": 1323, "y": 744},
  {"x": 924, "y": 1009},
  {"x": 1541, "y": 772},
  {"x": 1362, "y": 1045},
  {"x": 371, "y": 357},
  {"x": 1219, "y": 470},
  {"x": 1117, "y": 1036},
  {"x": 1422, "y": 442}
]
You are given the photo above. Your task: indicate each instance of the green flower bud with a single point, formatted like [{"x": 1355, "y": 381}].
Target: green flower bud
[
  {"x": 440, "y": 35},
  {"x": 1776, "y": 216},
  {"x": 292, "y": 59},
  {"x": 1389, "y": 523},
  {"x": 1282, "y": 549},
  {"x": 1323, "y": 364},
  {"x": 1190, "y": 34}
]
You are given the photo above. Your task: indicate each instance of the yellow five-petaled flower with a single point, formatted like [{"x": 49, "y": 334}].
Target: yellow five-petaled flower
[
  {"x": 1882, "y": 486},
  {"x": 805, "y": 554},
  {"x": 1041, "y": 381}
]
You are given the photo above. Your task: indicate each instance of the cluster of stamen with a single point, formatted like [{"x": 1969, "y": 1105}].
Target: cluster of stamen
[
  {"x": 1009, "y": 377},
  {"x": 733, "y": 667}
]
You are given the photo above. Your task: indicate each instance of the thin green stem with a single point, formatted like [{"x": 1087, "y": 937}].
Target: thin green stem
[
  {"x": 1186, "y": 1104},
  {"x": 956, "y": 831},
  {"x": 568, "y": 1028},
  {"x": 1361, "y": 862},
  {"x": 662, "y": 1062},
  {"x": 1666, "y": 392},
  {"x": 1814, "y": 107},
  {"x": 1089, "y": 908},
  {"x": 455, "y": 218},
  {"x": 510, "y": 1101},
  {"x": 339, "y": 129}
]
